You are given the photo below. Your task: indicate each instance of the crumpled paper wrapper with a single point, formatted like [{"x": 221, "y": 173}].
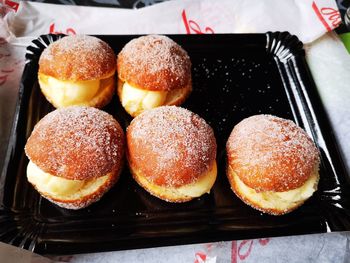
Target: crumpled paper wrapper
[
  {"x": 320, "y": 248},
  {"x": 309, "y": 20}
]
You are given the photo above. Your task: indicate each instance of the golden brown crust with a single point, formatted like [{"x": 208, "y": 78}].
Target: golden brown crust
[
  {"x": 105, "y": 96},
  {"x": 170, "y": 146},
  {"x": 147, "y": 186},
  {"x": 155, "y": 63},
  {"x": 271, "y": 154},
  {"x": 174, "y": 194},
  {"x": 179, "y": 97},
  {"x": 77, "y": 58},
  {"x": 76, "y": 143},
  {"x": 86, "y": 200},
  {"x": 256, "y": 205}
]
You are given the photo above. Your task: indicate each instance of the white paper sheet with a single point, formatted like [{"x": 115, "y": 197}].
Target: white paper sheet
[{"x": 307, "y": 19}]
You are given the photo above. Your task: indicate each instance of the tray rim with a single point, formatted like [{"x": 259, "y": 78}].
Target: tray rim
[{"x": 289, "y": 56}]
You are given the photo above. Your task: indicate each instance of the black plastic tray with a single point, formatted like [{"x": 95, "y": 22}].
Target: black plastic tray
[{"x": 234, "y": 76}]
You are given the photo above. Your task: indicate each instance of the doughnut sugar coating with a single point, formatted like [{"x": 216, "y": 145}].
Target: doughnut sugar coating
[
  {"x": 156, "y": 63},
  {"x": 78, "y": 58},
  {"x": 76, "y": 143},
  {"x": 271, "y": 154},
  {"x": 75, "y": 156},
  {"x": 272, "y": 164},
  {"x": 173, "y": 150}
]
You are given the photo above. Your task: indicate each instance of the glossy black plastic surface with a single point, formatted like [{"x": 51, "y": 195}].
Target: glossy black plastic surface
[{"x": 234, "y": 76}]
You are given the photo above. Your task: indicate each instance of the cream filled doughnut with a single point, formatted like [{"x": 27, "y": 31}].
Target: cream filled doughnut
[
  {"x": 272, "y": 164},
  {"x": 77, "y": 70},
  {"x": 76, "y": 155},
  {"x": 172, "y": 153},
  {"x": 153, "y": 71}
]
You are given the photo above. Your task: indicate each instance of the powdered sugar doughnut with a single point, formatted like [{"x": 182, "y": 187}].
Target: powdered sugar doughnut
[
  {"x": 75, "y": 154},
  {"x": 272, "y": 163},
  {"x": 77, "y": 70},
  {"x": 171, "y": 153},
  {"x": 153, "y": 71}
]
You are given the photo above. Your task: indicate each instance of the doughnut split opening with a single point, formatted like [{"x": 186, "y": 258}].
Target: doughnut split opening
[
  {"x": 136, "y": 100},
  {"x": 276, "y": 203},
  {"x": 64, "y": 93},
  {"x": 182, "y": 193},
  {"x": 58, "y": 188}
]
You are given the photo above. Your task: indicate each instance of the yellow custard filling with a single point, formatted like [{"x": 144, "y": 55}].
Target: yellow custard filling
[
  {"x": 279, "y": 200},
  {"x": 62, "y": 188},
  {"x": 137, "y": 100},
  {"x": 196, "y": 189},
  {"x": 63, "y": 93}
]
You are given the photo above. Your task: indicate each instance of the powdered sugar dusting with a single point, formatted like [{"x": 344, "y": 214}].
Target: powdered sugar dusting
[
  {"x": 77, "y": 143},
  {"x": 79, "y": 57},
  {"x": 154, "y": 61},
  {"x": 159, "y": 47},
  {"x": 271, "y": 153},
  {"x": 180, "y": 145}
]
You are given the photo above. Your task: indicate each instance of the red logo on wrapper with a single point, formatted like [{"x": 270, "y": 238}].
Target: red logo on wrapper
[
  {"x": 3, "y": 79},
  {"x": 329, "y": 17},
  {"x": 200, "y": 257},
  {"x": 4, "y": 74},
  {"x": 69, "y": 31},
  {"x": 193, "y": 27},
  {"x": 242, "y": 249},
  {"x": 13, "y": 5}
]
